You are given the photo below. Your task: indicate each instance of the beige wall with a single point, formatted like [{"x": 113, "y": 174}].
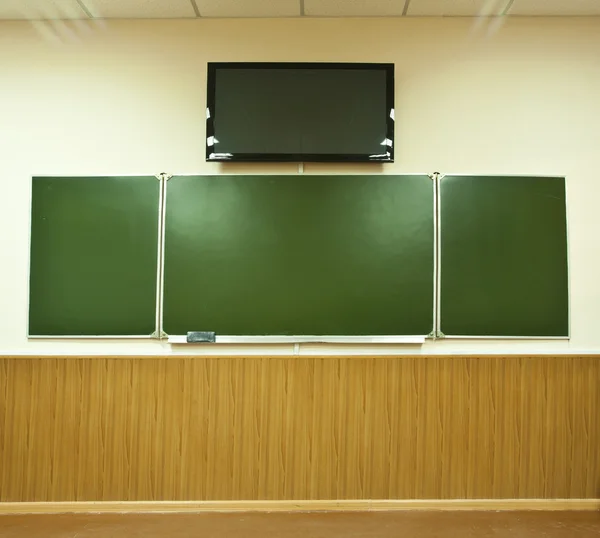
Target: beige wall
[{"x": 472, "y": 96}]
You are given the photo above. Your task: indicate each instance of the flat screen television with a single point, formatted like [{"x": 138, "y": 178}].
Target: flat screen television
[{"x": 300, "y": 112}]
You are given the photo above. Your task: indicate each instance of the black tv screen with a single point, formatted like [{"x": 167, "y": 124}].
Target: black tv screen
[{"x": 300, "y": 112}]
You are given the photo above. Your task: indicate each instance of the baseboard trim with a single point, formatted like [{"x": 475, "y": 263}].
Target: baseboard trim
[{"x": 295, "y": 506}]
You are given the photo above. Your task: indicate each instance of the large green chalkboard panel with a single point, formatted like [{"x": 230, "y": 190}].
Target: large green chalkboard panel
[
  {"x": 299, "y": 255},
  {"x": 93, "y": 256},
  {"x": 504, "y": 256}
]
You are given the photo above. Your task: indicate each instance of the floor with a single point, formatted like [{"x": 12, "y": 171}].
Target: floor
[{"x": 308, "y": 525}]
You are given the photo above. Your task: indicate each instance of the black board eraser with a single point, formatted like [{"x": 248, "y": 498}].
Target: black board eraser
[{"x": 200, "y": 336}]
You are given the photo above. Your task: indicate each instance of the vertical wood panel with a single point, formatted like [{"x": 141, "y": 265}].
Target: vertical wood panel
[{"x": 173, "y": 428}]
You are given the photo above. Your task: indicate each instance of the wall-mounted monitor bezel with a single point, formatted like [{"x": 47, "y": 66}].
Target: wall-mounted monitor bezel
[{"x": 387, "y": 155}]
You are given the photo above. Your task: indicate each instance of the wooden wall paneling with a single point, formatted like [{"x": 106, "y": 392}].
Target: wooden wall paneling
[{"x": 302, "y": 428}]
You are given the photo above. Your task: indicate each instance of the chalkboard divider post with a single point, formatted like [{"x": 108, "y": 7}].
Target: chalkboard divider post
[
  {"x": 30, "y": 252},
  {"x": 163, "y": 177},
  {"x": 568, "y": 255},
  {"x": 436, "y": 177}
]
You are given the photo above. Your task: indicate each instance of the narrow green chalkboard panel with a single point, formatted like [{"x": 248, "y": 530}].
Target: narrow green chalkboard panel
[
  {"x": 504, "y": 257},
  {"x": 299, "y": 255},
  {"x": 93, "y": 256}
]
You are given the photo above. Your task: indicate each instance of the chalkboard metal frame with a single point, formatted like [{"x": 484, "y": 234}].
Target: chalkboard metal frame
[
  {"x": 385, "y": 339},
  {"x": 160, "y": 265},
  {"x": 435, "y": 177},
  {"x": 321, "y": 339},
  {"x": 155, "y": 335},
  {"x": 441, "y": 335}
]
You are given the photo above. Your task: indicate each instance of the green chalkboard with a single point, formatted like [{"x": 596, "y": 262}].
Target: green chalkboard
[
  {"x": 93, "y": 256},
  {"x": 503, "y": 256},
  {"x": 299, "y": 255}
]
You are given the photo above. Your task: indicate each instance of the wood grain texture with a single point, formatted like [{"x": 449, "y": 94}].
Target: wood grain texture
[{"x": 218, "y": 429}]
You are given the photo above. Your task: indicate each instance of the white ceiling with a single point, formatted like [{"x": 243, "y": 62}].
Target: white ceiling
[
  {"x": 165, "y": 9},
  {"x": 457, "y": 8}
]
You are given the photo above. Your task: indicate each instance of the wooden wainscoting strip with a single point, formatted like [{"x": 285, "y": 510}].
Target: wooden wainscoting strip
[
  {"x": 360, "y": 505},
  {"x": 180, "y": 428}
]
